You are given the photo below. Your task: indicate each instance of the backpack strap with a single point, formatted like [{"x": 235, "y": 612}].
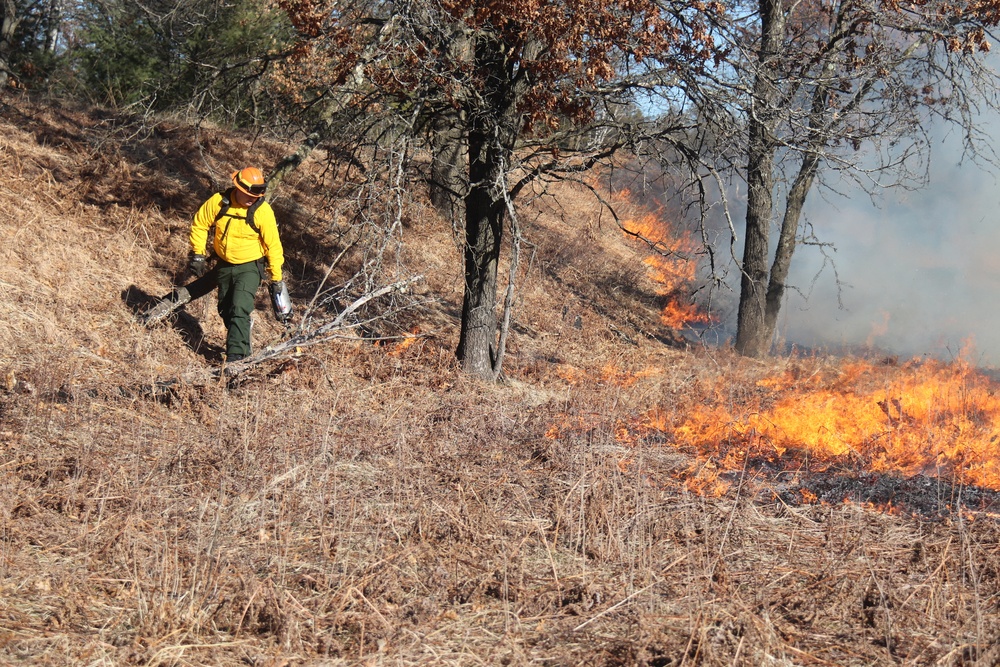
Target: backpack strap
[
  {"x": 224, "y": 208},
  {"x": 223, "y": 205},
  {"x": 250, "y": 211}
]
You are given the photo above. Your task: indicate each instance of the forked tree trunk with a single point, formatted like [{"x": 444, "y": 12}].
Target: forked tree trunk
[{"x": 753, "y": 338}]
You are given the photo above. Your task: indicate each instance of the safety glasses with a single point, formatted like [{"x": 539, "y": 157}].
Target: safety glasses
[{"x": 255, "y": 190}]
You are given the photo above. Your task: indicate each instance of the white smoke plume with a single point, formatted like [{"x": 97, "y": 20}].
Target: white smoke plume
[{"x": 920, "y": 273}]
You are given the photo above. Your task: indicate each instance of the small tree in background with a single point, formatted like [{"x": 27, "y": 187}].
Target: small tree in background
[
  {"x": 202, "y": 55},
  {"x": 29, "y": 31}
]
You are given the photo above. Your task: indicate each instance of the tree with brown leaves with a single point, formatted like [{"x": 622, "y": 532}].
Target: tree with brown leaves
[{"x": 512, "y": 81}]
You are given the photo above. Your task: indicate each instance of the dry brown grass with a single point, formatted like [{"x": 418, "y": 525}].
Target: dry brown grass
[{"x": 357, "y": 506}]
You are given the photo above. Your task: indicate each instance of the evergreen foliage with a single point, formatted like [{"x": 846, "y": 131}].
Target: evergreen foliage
[{"x": 172, "y": 54}]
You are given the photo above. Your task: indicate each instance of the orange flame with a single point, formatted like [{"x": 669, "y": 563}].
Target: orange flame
[
  {"x": 921, "y": 418},
  {"x": 408, "y": 340},
  {"x": 671, "y": 269},
  {"x": 931, "y": 418}
]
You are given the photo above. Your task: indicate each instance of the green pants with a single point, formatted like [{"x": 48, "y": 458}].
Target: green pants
[{"x": 238, "y": 285}]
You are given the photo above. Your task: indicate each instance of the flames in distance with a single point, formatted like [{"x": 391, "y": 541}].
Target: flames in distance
[{"x": 670, "y": 266}]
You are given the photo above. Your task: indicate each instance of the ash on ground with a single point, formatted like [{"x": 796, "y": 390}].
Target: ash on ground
[{"x": 928, "y": 497}]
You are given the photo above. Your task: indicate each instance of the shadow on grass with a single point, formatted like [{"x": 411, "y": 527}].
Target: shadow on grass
[{"x": 139, "y": 301}]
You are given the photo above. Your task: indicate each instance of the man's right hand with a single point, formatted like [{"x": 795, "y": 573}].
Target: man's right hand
[{"x": 198, "y": 265}]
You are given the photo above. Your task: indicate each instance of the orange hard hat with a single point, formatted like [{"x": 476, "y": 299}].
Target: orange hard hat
[{"x": 250, "y": 181}]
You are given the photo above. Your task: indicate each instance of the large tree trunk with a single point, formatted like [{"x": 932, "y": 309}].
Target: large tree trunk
[
  {"x": 493, "y": 131},
  {"x": 753, "y": 337},
  {"x": 484, "y": 220},
  {"x": 449, "y": 165}
]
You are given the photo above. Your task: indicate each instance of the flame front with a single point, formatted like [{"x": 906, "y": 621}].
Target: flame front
[
  {"x": 927, "y": 418},
  {"x": 408, "y": 339},
  {"x": 923, "y": 417}
]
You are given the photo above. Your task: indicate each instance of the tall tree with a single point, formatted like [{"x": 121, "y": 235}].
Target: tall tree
[
  {"x": 529, "y": 74},
  {"x": 815, "y": 82}
]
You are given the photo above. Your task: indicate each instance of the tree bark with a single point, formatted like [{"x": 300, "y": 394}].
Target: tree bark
[
  {"x": 448, "y": 165},
  {"x": 787, "y": 240},
  {"x": 53, "y": 23},
  {"x": 449, "y": 150},
  {"x": 8, "y": 24},
  {"x": 753, "y": 339},
  {"x": 484, "y": 220},
  {"x": 493, "y": 129}
]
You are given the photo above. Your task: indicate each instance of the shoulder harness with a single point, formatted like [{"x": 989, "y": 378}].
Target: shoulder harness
[{"x": 227, "y": 202}]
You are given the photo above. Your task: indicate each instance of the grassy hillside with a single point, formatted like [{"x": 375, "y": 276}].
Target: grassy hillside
[{"x": 361, "y": 504}]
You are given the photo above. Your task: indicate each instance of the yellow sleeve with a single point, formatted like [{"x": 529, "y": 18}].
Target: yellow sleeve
[
  {"x": 203, "y": 221},
  {"x": 265, "y": 220}
]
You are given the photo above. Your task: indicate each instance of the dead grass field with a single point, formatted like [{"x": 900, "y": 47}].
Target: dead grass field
[{"x": 369, "y": 505}]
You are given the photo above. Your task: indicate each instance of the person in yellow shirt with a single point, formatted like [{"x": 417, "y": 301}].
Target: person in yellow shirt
[{"x": 247, "y": 247}]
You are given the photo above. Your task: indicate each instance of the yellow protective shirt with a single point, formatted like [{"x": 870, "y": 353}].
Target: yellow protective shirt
[{"x": 235, "y": 241}]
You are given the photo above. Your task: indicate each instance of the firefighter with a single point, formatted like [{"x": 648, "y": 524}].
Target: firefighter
[
  {"x": 247, "y": 249},
  {"x": 246, "y": 233}
]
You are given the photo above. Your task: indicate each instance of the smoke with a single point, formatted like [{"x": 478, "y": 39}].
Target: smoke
[{"x": 919, "y": 274}]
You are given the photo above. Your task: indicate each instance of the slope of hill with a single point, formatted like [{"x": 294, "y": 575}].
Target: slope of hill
[{"x": 368, "y": 504}]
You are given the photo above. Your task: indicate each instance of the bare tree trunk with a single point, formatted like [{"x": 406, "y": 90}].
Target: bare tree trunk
[
  {"x": 449, "y": 165},
  {"x": 493, "y": 131},
  {"x": 8, "y": 24},
  {"x": 753, "y": 338},
  {"x": 787, "y": 239},
  {"x": 53, "y": 22},
  {"x": 484, "y": 220}
]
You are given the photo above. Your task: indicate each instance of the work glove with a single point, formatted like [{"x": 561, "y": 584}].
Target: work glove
[{"x": 198, "y": 265}]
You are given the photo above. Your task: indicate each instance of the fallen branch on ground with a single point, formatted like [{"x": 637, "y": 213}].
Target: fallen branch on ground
[{"x": 323, "y": 332}]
